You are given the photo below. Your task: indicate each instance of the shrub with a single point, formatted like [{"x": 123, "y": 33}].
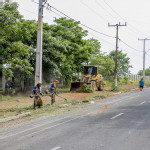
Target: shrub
[{"x": 114, "y": 88}]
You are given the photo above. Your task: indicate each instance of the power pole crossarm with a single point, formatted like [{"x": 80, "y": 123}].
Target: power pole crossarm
[
  {"x": 144, "y": 40},
  {"x": 117, "y": 27}
]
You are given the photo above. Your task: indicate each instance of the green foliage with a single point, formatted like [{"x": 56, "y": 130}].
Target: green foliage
[
  {"x": 115, "y": 88},
  {"x": 124, "y": 80},
  {"x": 85, "y": 88},
  {"x": 123, "y": 63},
  {"x": 14, "y": 46},
  {"x": 65, "y": 48},
  {"x": 147, "y": 72},
  {"x": 105, "y": 63}
]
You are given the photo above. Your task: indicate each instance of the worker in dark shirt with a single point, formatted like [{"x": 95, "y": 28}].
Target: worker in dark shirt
[{"x": 37, "y": 95}]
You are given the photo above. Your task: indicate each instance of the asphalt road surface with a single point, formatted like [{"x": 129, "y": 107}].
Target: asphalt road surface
[{"x": 120, "y": 123}]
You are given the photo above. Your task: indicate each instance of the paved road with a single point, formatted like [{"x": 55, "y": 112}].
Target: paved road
[{"x": 120, "y": 123}]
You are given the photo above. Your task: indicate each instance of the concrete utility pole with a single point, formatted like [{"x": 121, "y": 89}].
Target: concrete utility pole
[
  {"x": 38, "y": 70},
  {"x": 117, "y": 27},
  {"x": 143, "y": 56}
]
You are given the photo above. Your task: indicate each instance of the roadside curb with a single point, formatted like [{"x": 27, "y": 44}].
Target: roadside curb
[{"x": 14, "y": 117}]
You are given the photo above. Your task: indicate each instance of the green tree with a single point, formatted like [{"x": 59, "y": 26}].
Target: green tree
[
  {"x": 147, "y": 72},
  {"x": 123, "y": 62},
  {"x": 74, "y": 50},
  {"x": 105, "y": 63},
  {"x": 14, "y": 50}
]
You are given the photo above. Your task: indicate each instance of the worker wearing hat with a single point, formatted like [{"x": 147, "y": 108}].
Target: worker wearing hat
[
  {"x": 37, "y": 92},
  {"x": 36, "y": 89},
  {"x": 53, "y": 91}
]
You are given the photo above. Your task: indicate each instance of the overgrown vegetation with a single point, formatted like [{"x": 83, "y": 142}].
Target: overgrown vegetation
[
  {"x": 85, "y": 88},
  {"x": 65, "y": 49}
]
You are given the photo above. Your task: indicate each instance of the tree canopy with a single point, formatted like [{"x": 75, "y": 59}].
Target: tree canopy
[
  {"x": 123, "y": 62},
  {"x": 14, "y": 47},
  {"x": 147, "y": 72},
  {"x": 66, "y": 48}
]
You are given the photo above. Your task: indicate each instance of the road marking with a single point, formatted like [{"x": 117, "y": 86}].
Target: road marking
[
  {"x": 55, "y": 148},
  {"x": 142, "y": 103},
  {"x": 117, "y": 116}
]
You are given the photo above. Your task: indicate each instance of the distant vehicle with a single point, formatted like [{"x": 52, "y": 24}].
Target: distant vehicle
[{"x": 90, "y": 76}]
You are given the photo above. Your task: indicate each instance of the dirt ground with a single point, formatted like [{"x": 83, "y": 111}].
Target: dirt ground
[
  {"x": 22, "y": 104},
  {"x": 6, "y": 106},
  {"x": 47, "y": 99},
  {"x": 20, "y": 100}
]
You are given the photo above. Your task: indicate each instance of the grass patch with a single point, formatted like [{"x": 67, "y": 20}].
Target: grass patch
[
  {"x": 85, "y": 101},
  {"x": 8, "y": 97},
  {"x": 46, "y": 109},
  {"x": 63, "y": 89},
  {"x": 147, "y": 83},
  {"x": 100, "y": 97}
]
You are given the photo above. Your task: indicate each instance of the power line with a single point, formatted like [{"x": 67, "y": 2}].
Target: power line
[
  {"x": 49, "y": 7},
  {"x": 93, "y": 11},
  {"x": 81, "y": 23},
  {"x": 28, "y": 11},
  {"x": 129, "y": 45},
  {"x": 122, "y": 17},
  {"x": 147, "y": 54},
  {"x": 56, "y": 13},
  {"x": 108, "y": 13},
  {"x": 102, "y": 39},
  {"x": 105, "y": 9},
  {"x": 34, "y": 13}
]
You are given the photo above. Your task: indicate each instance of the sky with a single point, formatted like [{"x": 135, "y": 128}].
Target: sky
[{"x": 96, "y": 14}]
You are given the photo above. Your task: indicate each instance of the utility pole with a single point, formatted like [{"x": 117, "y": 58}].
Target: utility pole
[
  {"x": 144, "y": 40},
  {"x": 38, "y": 70},
  {"x": 117, "y": 27}
]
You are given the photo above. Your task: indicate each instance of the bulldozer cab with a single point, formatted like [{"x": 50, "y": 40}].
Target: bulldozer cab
[{"x": 91, "y": 70}]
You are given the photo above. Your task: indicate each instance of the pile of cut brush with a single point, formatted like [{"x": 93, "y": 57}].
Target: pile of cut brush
[{"x": 85, "y": 88}]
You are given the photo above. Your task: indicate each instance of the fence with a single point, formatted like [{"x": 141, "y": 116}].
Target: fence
[{"x": 137, "y": 77}]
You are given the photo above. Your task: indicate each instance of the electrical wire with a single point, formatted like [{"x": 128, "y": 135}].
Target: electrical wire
[
  {"x": 75, "y": 20},
  {"x": 129, "y": 45},
  {"x": 34, "y": 13},
  {"x": 105, "y": 9},
  {"x": 102, "y": 39},
  {"x": 108, "y": 13},
  {"x": 81, "y": 23},
  {"x": 122, "y": 17},
  {"x": 28, "y": 11},
  {"x": 91, "y": 28},
  {"x": 56, "y": 13},
  {"x": 99, "y": 15},
  {"x": 147, "y": 54}
]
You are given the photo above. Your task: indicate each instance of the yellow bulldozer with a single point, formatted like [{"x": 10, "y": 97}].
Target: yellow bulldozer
[{"x": 90, "y": 76}]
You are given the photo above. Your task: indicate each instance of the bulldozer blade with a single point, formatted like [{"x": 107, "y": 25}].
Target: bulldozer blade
[{"x": 76, "y": 85}]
